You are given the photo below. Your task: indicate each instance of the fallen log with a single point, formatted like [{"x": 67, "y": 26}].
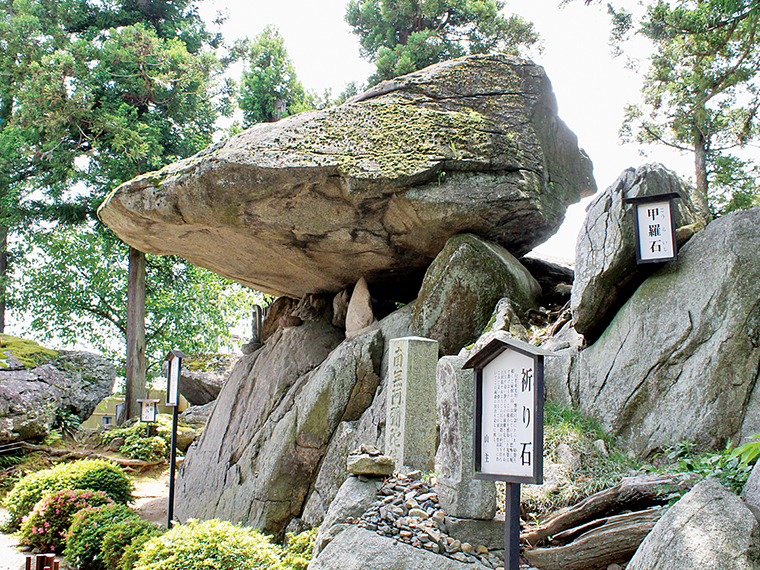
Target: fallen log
[
  {"x": 611, "y": 540},
  {"x": 70, "y": 454},
  {"x": 632, "y": 493}
]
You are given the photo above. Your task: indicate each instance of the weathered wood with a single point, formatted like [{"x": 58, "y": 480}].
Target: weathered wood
[
  {"x": 631, "y": 492},
  {"x": 69, "y": 454},
  {"x": 614, "y": 541},
  {"x": 135, "y": 370}
]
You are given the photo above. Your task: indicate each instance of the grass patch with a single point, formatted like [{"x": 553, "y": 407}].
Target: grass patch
[{"x": 575, "y": 467}]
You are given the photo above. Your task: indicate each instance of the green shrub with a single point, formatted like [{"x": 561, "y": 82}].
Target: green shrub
[
  {"x": 134, "y": 549},
  {"x": 210, "y": 545},
  {"x": 731, "y": 467},
  {"x": 297, "y": 551},
  {"x": 92, "y": 474},
  {"x": 48, "y": 523},
  {"x": 121, "y": 535},
  {"x": 145, "y": 448},
  {"x": 87, "y": 532},
  {"x": 138, "y": 444}
]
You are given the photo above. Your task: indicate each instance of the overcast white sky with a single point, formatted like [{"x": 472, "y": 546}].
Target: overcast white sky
[{"x": 591, "y": 87}]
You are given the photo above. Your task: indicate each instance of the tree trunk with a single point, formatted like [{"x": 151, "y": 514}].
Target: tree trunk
[
  {"x": 3, "y": 274},
  {"x": 700, "y": 162},
  {"x": 135, "y": 365}
]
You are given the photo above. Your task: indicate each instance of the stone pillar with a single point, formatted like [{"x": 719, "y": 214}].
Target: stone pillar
[
  {"x": 460, "y": 495},
  {"x": 256, "y": 323},
  {"x": 410, "y": 410}
]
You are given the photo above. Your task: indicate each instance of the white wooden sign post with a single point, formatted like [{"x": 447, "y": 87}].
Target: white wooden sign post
[
  {"x": 508, "y": 434},
  {"x": 654, "y": 228},
  {"x": 148, "y": 412}
]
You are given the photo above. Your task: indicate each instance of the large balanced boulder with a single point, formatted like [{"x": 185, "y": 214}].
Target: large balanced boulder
[
  {"x": 606, "y": 273},
  {"x": 35, "y": 393},
  {"x": 709, "y": 528},
  {"x": 680, "y": 360},
  {"x": 371, "y": 188}
]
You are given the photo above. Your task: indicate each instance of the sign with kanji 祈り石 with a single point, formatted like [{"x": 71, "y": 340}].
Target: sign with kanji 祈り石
[{"x": 509, "y": 399}]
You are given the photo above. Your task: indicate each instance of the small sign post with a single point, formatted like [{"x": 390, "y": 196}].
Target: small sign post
[
  {"x": 654, "y": 228},
  {"x": 508, "y": 434},
  {"x": 148, "y": 412},
  {"x": 174, "y": 365}
]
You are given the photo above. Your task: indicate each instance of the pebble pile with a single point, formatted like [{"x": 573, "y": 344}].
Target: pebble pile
[{"x": 407, "y": 510}]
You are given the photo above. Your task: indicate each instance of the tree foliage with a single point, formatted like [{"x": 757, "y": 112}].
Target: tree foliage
[
  {"x": 402, "y": 36},
  {"x": 270, "y": 89},
  {"x": 701, "y": 91},
  {"x": 73, "y": 282},
  {"x": 93, "y": 93}
]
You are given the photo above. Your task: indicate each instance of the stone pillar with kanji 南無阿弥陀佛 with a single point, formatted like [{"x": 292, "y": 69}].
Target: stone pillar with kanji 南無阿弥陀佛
[{"x": 410, "y": 429}]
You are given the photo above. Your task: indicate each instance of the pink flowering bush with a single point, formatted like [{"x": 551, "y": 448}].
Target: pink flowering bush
[
  {"x": 93, "y": 474},
  {"x": 88, "y": 529},
  {"x": 47, "y": 525}
]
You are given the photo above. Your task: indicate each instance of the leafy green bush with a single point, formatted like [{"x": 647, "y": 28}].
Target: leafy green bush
[
  {"x": 210, "y": 545},
  {"x": 121, "y": 535},
  {"x": 138, "y": 444},
  {"x": 47, "y": 525},
  {"x": 134, "y": 549},
  {"x": 92, "y": 474},
  {"x": 731, "y": 467},
  {"x": 297, "y": 551},
  {"x": 145, "y": 448},
  {"x": 87, "y": 532}
]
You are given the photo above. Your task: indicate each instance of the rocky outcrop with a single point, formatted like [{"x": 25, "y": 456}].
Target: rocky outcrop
[
  {"x": 606, "y": 270},
  {"x": 554, "y": 276},
  {"x": 32, "y": 398},
  {"x": 272, "y": 423},
  {"x": 353, "y": 499},
  {"x": 681, "y": 360},
  {"x": 202, "y": 378},
  {"x": 359, "y": 549},
  {"x": 354, "y": 432},
  {"x": 709, "y": 529},
  {"x": 371, "y": 188},
  {"x": 751, "y": 491},
  {"x": 462, "y": 286}
]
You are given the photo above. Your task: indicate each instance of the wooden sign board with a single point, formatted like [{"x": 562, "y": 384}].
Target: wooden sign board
[
  {"x": 174, "y": 364},
  {"x": 508, "y": 434},
  {"x": 148, "y": 410},
  {"x": 654, "y": 228}
]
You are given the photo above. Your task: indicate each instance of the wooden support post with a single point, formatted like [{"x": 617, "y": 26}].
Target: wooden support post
[
  {"x": 512, "y": 527},
  {"x": 172, "y": 469}
]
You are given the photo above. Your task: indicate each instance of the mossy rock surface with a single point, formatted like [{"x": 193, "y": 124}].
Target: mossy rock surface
[
  {"x": 461, "y": 288},
  {"x": 23, "y": 351},
  {"x": 372, "y": 188}
]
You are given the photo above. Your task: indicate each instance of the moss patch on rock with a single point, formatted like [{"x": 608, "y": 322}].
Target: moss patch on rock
[
  {"x": 393, "y": 139},
  {"x": 28, "y": 352}
]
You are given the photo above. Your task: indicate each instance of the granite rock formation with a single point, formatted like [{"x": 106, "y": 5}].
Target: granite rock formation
[{"x": 372, "y": 188}]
